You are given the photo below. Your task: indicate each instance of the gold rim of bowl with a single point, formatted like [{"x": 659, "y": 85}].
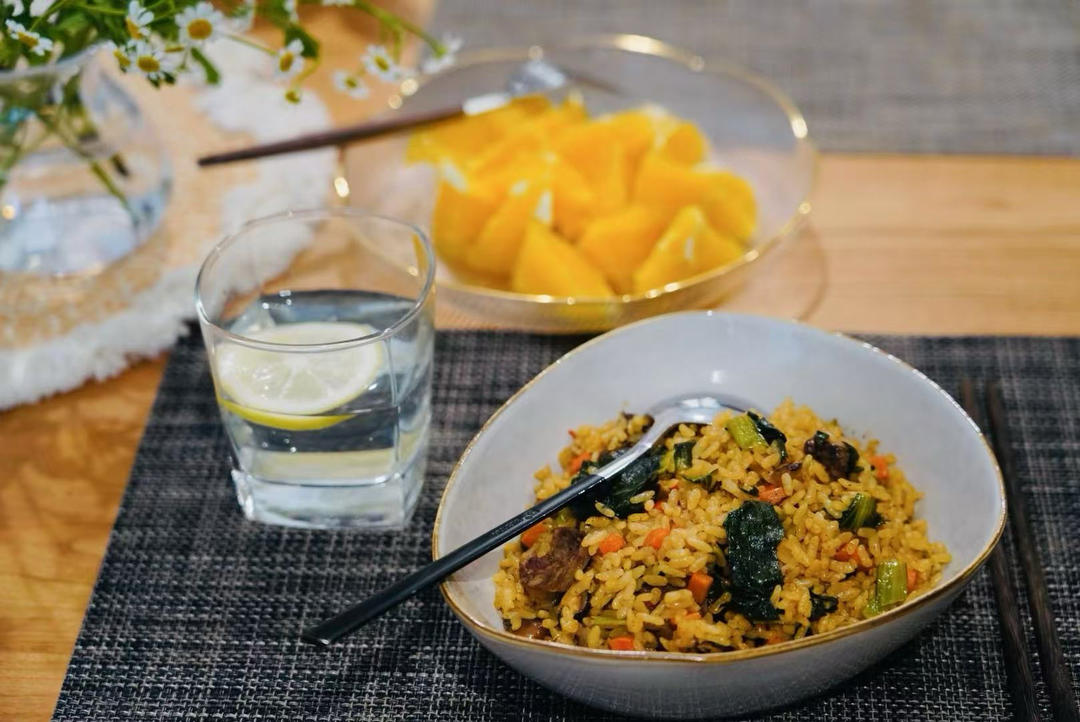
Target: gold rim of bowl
[
  {"x": 478, "y": 627},
  {"x": 645, "y": 45}
]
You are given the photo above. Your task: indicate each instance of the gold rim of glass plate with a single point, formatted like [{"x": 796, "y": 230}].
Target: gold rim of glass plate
[{"x": 643, "y": 45}]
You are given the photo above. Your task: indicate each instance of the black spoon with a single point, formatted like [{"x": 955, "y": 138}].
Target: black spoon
[{"x": 682, "y": 410}]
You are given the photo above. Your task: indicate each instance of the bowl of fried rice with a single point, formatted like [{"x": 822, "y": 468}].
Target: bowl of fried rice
[{"x": 742, "y": 563}]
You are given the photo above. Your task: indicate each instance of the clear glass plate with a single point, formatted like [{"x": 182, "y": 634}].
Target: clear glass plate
[{"x": 753, "y": 128}]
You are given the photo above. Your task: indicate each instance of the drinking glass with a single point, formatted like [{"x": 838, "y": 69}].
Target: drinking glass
[{"x": 319, "y": 330}]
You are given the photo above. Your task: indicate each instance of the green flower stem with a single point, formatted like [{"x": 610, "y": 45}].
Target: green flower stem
[
  {"x": 250, "y": 43},
  {"x": 95, "y": 167},
  {"x": 48, "y": 13},
  {"x": 99, "y": 9},
  {"x": 388, "y": 18}
]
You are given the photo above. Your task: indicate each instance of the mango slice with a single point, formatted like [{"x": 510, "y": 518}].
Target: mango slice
[
  {"x": 591, "y": 150},
  {"x": 530, "y": 137},
  {"x": 685, "y": 144},
  {"x": 730, "y": 205},
  {"x": 550, "y": 265},
  {"x": 688, "y": 247},
  {"x": 618, "y": 243},
  {"x": 461, "y": 139},
  {"x": 635, "y": 131},
  {"x": 461, "y": 211},
  {"x": 727, "y": 199},
  {"x": 497, "y": 246}
]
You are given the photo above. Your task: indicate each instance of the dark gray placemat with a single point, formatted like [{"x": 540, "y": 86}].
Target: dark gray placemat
[
  {"x": 932, "y": 76},
  {"x": 196, "y": 611}
]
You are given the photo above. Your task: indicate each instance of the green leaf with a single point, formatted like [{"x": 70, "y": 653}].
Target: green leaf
[
  {"x": 213, "y": 77},
  {"x": 311, "y": 45},
  {"x": 754, "y": 530}
]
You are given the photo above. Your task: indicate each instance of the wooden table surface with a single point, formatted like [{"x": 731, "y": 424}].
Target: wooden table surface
[{"x": 897, "y": 244}]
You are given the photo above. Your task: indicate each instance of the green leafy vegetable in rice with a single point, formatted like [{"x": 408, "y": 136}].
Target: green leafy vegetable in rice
[
  {"x": 822, "y": 604},
  {"x": 861, "y": 512},
  {"x": 753, "y": 531},
  {"x": 616, "y": 493}
]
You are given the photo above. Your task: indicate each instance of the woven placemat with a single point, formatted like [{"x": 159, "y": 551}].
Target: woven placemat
[
  {"x": 934, "y": 76},
  {"x": 196, "y": 612}
]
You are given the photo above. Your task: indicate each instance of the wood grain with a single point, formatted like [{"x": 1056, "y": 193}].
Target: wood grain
[{"x": 898, "y": 244}]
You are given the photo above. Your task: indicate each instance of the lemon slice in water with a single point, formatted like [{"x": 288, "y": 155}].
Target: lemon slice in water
[{"x": 294, "y": 389}]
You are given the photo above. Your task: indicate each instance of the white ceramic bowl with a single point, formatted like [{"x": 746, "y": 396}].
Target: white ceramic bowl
[{"x": 762, "y": 361}]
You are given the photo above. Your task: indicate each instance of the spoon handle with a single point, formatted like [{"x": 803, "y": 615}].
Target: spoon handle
[{"x": 333, "y": 629}]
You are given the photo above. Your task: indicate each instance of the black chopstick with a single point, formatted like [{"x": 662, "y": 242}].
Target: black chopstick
[
  {"x": 1054, "y": 665},
  {"x": 335, "y": 136},
  {"x": 1017, "y": 666}
]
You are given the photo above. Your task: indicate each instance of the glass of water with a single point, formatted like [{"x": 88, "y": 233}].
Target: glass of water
[{"x": 319, "y": 329}]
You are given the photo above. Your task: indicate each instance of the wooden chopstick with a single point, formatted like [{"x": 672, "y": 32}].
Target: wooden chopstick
[
  {"x": 1054, "y": 665},
  {"x": 1017, "y": 666},
  {"x": 335, "y": 136}
]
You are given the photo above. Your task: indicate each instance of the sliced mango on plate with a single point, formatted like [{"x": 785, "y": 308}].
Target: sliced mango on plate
[
  {"x": 727, "y": 199},
  {"x": 688, "y": 247},
  {"x": 618, "y": 243},
  {"x": 685, "y": 144},
  {"x": 462, "y": 139},
  {"x": 730, "y": 205},
  {"x": 496, "y": 247},
  {"x": 548, "y": 264},
  {"x": 635, "y": 131},
  {"x": 529, "y": 138},
  {"x": 462, "y": 208},
  {"x": 589, "y": 149}
]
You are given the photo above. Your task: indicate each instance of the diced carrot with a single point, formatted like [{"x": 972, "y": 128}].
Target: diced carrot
[
  {"x": 881, "y": 467},
  {"x": 692, "y": 615},
  {"x": 659, "y": 506},
  {"x": 613, "y": 542},
  {"x": 656, "y": 537},
  {"x": 699, "y": 586},
  {"x": 577, "y": 461},
  {"x": 772, "y": 493},
  {"x": 774, "y": 638},
  {"x": 573, "y": 434},
  {"x": 847, "y": 552},
  {"x": 622, "y": 644},
  {"x": 529, "y": 537},
  {"x": 912, "y": 578}
]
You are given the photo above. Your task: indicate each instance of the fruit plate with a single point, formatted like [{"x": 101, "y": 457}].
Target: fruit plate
[{"x": 753, "y": 130}]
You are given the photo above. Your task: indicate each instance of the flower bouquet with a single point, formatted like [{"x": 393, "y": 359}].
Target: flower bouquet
[{"x": 73, "y": 146}]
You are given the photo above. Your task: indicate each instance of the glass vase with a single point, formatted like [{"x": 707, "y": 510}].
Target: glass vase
[{"x": 83, "y": 177}]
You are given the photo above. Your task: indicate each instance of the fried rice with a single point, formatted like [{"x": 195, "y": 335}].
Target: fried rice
[{"x": 661, "y": 573}]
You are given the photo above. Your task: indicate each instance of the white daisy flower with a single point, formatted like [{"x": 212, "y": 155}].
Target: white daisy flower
[
  {"x": 290, "y": 8},
  {"x": 150, "y": 60},
  {"x": 199, "y": 23},
  {"x": 122, "y": 53},
  {"x": 379, "y": 62},
  {"x": 16, "y": 6},
  {"x": 289, "y": 61},
  {"x": 35, "y": 43},
  {"x": 451, "y": 45},
  {"x": 38, "y": 7},
  {"x": 350, "y": 84},
  {"x": 137, "y": 21}
]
